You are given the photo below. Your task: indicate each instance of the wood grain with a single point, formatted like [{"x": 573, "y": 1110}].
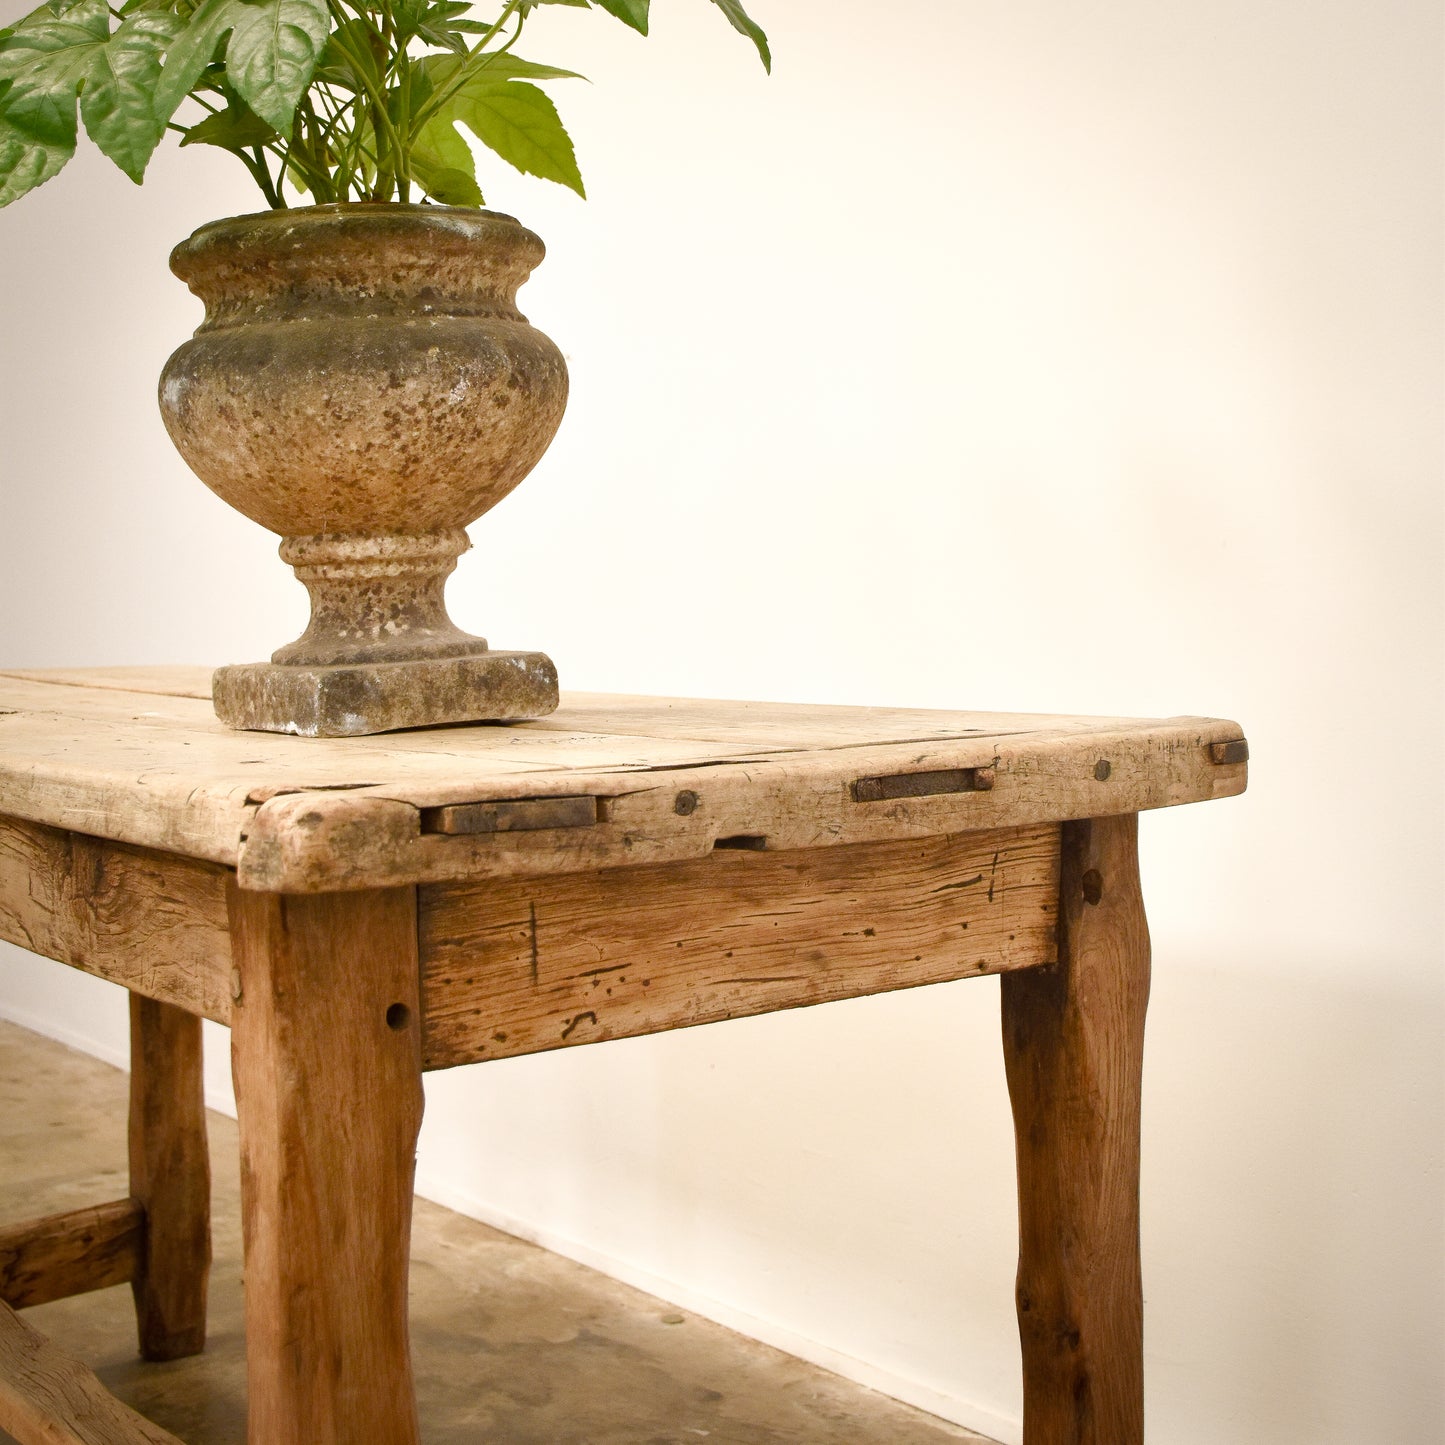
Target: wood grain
[
  {"x": 93, "y": 761},
  {"x": 69, "y": 1254},
  {"x": 152, "y": 922},
  {"x": 1073, "y": 1049},
  {"x": 170, "y": 1174},
  {"x": 326, "y": 1054},
  {"x": 48, "y": 1398},
  {"x": 154, "y": 768},
  {"x": 314, "y": 842},
  {"x": 517, "y": 967},
  {"x": 160, "y": 680}
]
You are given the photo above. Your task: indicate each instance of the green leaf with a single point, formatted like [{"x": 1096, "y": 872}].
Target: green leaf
[
  {"x": 451, "y": 187},
  {"x": 35, "y": 143},
  {"x": 442, "y": 39},
  {"x": 740, "y": 21},
  {"x": 439, "y": 147},
  {"x": 406, "y": 15},
  {"x": 191, "y": 52},
  {"x": 434, "y": 23},
  {"x": 521, "y": 124},
  {"x": 232, "y": 130},
  {"x": 66, "y": 50},
  {"x": 348, "y": 59},
  {"x": 272, "y": 55},
  {"x": 50, "y": 54},
  {"x": 629, "y": 12},
  {"x": 503, "y": 65},
  {"x": 444, "y": 165},
  {"x": 116, "y": 101}
]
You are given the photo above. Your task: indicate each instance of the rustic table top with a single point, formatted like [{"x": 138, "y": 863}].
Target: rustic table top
[{"x": 135, "y": 755}]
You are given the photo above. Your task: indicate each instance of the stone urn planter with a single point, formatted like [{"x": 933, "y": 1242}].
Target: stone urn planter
[{"x": 364, "y": 385}]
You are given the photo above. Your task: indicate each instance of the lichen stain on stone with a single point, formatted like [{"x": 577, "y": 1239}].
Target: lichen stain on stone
[{"x": 363, "y": 373}]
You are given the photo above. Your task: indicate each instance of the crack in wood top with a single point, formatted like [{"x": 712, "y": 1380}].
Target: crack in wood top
[{"x": 135, "y": 755}]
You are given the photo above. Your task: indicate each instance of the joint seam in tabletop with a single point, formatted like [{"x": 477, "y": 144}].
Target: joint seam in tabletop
[
  {"x": 370, "y": 838},
  {"x": 778, "y": 773}
]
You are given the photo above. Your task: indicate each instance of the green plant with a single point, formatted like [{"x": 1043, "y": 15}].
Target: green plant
[{"x": 337, "y": 99}]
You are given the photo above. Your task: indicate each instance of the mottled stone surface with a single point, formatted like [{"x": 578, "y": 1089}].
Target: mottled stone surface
[
  {"x": 364, "y": 385},
  {"x": 513, "y": 1345},
  {"x": 377, "y": 599},
  {"x": 356, "y": 699}
]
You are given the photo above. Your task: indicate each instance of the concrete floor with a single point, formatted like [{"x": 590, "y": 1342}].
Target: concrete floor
[{"x": 512, "y": 1345}]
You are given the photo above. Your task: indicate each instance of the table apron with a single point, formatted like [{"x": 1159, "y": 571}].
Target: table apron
[
  {"x": 153, "y": 922},
  {"x": 516, "y": 966}
]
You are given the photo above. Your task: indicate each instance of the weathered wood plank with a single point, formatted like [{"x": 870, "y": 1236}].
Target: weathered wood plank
[
  {"x": 155, "y": 717},
  {"x": 790, "y": 724},
  {"x": 1073, "y": 1049},
  {"x": 157, "y": 770},
  {"x": 162, "y": 679},
  {"x": 48, "y": 1398},
  {"x": 317, "y": 842},
  {"x": 756, "y": 724},
  {"x": 170, "y": 1174},
  {"x": 69, "y": 1254},
  {"x": 514, "y": 967},
  {"x": 326, "y": 1054},
  {"x": 112, "y": 764},
  {"x": 153, "y": 922}
]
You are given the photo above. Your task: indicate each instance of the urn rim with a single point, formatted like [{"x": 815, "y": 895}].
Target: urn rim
[{"x": 312, "y": 231}]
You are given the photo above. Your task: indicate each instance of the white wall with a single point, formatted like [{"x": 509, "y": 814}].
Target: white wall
[{"x": 1040, "y": 356}]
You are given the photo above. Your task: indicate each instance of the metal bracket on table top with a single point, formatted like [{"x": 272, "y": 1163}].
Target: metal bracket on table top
[
  {"x": 1236, "y": 751},
  {"x": 923, "y": 785},
  {"x": 519, "y": 815}
]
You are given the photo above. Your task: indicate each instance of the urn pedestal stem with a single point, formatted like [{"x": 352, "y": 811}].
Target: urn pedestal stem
[{"x": 376, "y": 599}]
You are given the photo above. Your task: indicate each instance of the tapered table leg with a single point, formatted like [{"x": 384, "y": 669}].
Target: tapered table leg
[
  {"x": 170, "y": 1174},
  {"x": 326, "y": 1054},
  {"x": 1073, "y": 1046}
]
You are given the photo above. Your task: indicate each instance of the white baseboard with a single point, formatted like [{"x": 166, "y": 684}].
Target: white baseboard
[
  {"x": 46, "y": 1027},
  {"x": 218, "y": 1100},
  {"x": 1002, "y": 1428}
]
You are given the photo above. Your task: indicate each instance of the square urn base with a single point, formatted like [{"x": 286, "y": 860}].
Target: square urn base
[{"x": 356, "y": 699}]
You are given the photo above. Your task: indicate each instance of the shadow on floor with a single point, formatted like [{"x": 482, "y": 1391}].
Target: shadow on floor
[{"x": 513, "y": 1345}]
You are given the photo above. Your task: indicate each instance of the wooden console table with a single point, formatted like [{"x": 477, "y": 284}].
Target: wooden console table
[{"x": 361, "y": 910}]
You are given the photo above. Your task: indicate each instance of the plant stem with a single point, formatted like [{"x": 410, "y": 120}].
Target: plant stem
[
  {"x": 263, "y": 179},
  {"x": 473, "y": 63},
  {"x": 381, "y": 120}
]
